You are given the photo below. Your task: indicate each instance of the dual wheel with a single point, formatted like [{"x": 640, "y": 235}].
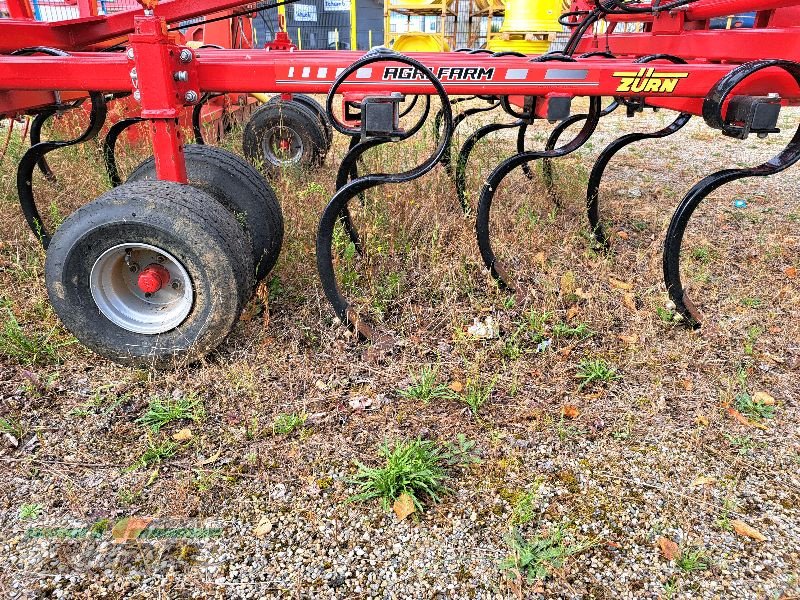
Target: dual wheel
[
  {"x": 283, "y": 133},
  {"x": 154, "y": 271}
]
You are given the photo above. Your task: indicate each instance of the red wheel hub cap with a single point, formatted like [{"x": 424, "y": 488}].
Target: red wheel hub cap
[{"x": 153, "y": 278}]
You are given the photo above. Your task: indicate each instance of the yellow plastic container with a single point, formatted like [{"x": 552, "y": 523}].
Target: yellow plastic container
[
  {"x": 498, "y": 44},
  {"x": 532, "y": 16},
  {"x": 420, "y": 4},
  {"x": 421, "y": 42}
]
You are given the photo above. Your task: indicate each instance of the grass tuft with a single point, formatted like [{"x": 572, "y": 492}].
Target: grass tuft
[
  {"x": 424, "y": 386},
  {"x": 413, "y": 467},
  {"x": 692, "y": 560},
  {"x": 161, "y": 411},
  {"x": 155, "y": 453},
  {"x": 28, "y": 348},
  {"x": 596, "y": 370},
  {"x": 286, "y": 423},
  {"x": 476, "y": 395}
]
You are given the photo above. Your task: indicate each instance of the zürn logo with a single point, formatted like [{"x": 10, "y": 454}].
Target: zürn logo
[{"x": 648, "y": 80}]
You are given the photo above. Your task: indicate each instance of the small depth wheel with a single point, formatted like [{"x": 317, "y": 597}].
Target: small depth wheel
[
  {"x": 238, "y": 186},
  {"x": 280, "y": 134},
  {"x": 150, "y": 272},
  {"x": 318, "y": 110}
]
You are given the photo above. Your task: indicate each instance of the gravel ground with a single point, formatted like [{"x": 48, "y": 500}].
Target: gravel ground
[{"x": 653, "y": 455}]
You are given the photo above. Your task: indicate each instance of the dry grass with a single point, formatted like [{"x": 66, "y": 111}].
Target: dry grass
[{"x": 422, "y": 280}]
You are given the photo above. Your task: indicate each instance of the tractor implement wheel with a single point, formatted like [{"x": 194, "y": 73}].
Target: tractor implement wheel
[
  {"x": 239, "y": 187},
  {"x": 281, "y": 134},
  {"x": 150, "y": 273},
  {"x": 318, "y": 110}
]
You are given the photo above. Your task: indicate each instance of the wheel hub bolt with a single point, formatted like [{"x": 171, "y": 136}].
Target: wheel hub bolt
[
  {"x": 176, "y": 284},
  {"x": 133, "y": 267}
]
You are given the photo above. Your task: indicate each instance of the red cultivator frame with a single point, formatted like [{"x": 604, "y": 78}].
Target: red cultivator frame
[{"x": 156, "y": 268}]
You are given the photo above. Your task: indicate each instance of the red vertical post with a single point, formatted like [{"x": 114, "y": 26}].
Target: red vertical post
[
  {"x": 19, "y": 9},
  {"x": 87, "y": 8},
  {"x": 156, "y": 60}
]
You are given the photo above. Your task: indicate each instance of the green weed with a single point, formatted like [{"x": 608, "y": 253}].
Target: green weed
[
  {"x": 524, "y": 509},
  {"x": 477, "y": 394},
  {"x": 752, "y": 409},
  {"x": 29, "y": 511},
  {"x": 692, "y": 560},
  {"x": 11, "y": 427},
  {"x": 413, "y": 467},
  {"x": 161, "y": 411},
  {"x": 154, "y": 454},
  {"x": 424, "y": 386},
  {"x": 286, "y": 423},
  {"x": 535, "y": 558},
  {"x": 595, "y": 370},
  {"x": 28, "y": 348}
]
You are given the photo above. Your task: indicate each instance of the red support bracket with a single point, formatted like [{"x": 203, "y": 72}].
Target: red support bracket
[{"x": 161, "y": 82}]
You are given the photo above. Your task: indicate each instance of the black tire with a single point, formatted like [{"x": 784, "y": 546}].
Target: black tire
[
  {"x": 279, "y": 122},
  {"x": 179, "y": 220},
  {"x": 317, "y": 109},
  {"x": 239, "y": 187}
]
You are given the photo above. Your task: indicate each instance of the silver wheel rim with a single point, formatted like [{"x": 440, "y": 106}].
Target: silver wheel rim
[
  {"x": 282, "y": 145},
  {"x": 115, "y": 286}
]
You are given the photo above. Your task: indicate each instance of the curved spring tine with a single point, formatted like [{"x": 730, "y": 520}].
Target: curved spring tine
[
  {"x": 504, "y": 168},
  {"x": 110, "y": 145},
  {"x": 457, "y": 120},
  {"x": 463, "y": 157},
  {"x": 31, "y": 158},
  {"x": 437, "y": 119},
  {"x": 712, "y": 113},
  {"x": 680, "y": 219},
  {"x": 348, "y": 170},
  {"x": 552, "y": 140},
  {"x": 197, "y": 114},
  {"x": 593, "y": 187},
  {"x": 36, "y": 137},
  {"x": 340, "y": 200}
]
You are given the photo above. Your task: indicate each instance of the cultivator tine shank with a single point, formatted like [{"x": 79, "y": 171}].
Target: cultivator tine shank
[
  {"x": 110, "y": 145},
  {"x": 595, "y": 177},
  {"x": 463, "y": 157},
  {"x": 482, "y": 225},
  {"x": 35, "y": 153},
  {"x": 447, "y": 158},
  {"x": 36, "y": 138},
  {"x": 713, "y": 115},
  {"x": 338, "y": 204}
]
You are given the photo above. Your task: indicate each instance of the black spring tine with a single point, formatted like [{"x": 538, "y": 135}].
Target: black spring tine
[
  {"x": 36, "y": 138},
  {"x": 337, "y": 205},
  {"x": 712, "y": 113},
  {"x": 463, "y": 158},
  {"x": 595, "y": 177},
  {"x": 491, "y": 184},
  {"x": 31, "y": 158},
  {"x": 110, "y": 146}
]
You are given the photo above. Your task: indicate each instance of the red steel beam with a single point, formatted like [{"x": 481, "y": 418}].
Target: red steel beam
[
  {"x": 22, "y": 31},
  {"x": 314, "y": 71},
  {"x": 737, "y": 45}
]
